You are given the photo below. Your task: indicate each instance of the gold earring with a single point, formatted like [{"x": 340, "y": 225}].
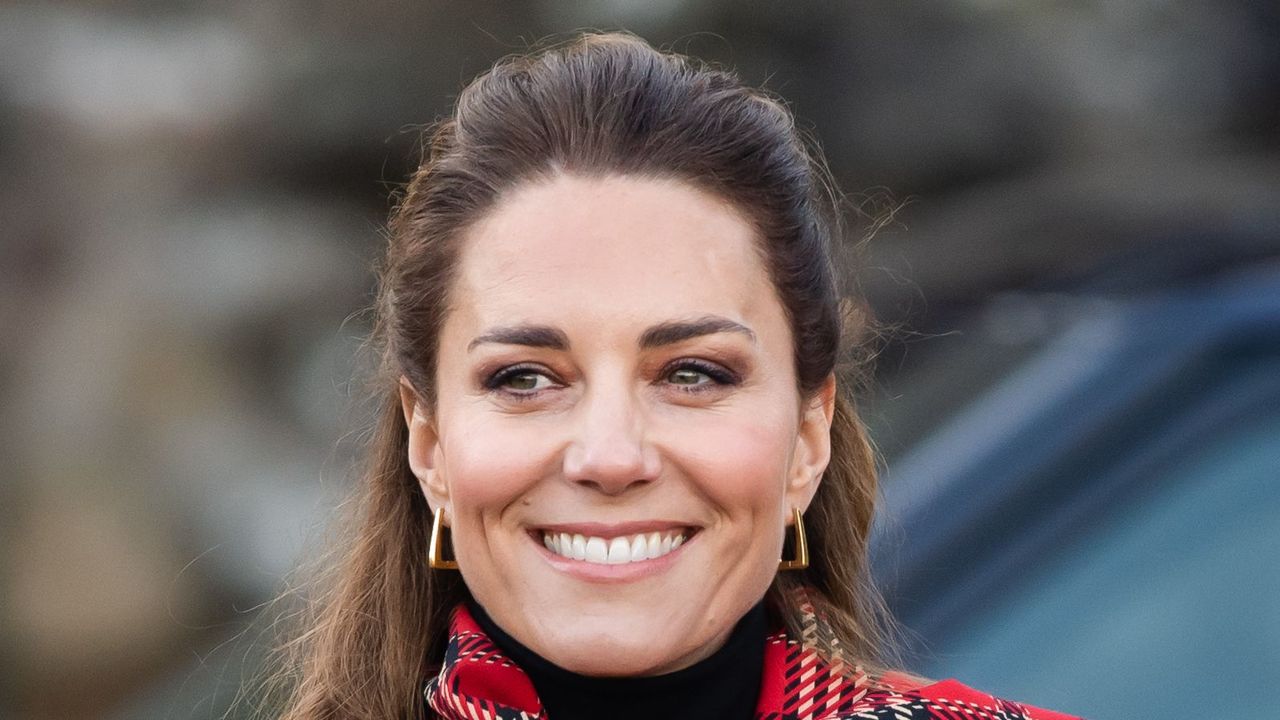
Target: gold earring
[
  {"x": 801, "y": 560},
  {"x": 435, "y": 555}
]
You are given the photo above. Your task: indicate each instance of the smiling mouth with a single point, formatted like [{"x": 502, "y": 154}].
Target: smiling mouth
[{"x": 614, "y": 551}]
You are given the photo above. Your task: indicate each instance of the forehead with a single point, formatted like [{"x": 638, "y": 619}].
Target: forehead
[{"x": 609, "y": 249}]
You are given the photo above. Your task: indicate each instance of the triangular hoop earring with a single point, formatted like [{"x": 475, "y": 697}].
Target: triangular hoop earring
[
  {"x": 435, "y": 555},
  {"x": 801, "y": 560}
]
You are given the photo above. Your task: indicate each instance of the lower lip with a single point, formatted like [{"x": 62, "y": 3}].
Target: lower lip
[{"x": 622, "y": 572}]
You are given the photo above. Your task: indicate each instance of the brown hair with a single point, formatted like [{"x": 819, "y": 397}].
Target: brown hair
[{"x": 601, "y": 104}]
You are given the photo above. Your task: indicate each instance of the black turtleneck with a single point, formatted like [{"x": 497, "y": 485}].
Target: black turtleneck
[{"x": 724, "y": 685}]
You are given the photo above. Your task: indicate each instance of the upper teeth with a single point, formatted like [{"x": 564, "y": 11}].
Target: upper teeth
[{"x": 616, "y": 551}]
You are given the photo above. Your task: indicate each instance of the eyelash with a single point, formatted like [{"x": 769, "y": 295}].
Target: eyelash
[
  {"x": 495, "y": 381},
  {"x": 719, "y": 376}
]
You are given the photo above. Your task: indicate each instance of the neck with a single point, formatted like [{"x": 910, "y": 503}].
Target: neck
[{"x": 724, "y": 685}]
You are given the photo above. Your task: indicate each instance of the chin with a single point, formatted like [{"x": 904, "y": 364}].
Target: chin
[{"x": 606, "y": 654}]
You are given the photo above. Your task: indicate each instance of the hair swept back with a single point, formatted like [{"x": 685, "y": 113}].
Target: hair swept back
[{"x": 600, "y": 104}]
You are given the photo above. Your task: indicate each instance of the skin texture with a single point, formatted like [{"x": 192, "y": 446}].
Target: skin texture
[{"x": 606, "y": 431}]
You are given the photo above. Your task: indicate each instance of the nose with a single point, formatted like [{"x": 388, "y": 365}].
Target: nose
[{"x": 609, "y": 453}]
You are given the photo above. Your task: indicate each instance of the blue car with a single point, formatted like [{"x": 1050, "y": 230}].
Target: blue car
[{"x": 1099, "y": 531}]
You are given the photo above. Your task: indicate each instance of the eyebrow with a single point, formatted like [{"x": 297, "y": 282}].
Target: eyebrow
[
  {"x": 531, "y": 335},
  {"x": 666, "y": 333}
]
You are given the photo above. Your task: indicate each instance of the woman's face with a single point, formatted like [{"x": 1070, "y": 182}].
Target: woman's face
[{"x": 617, "y": 441}]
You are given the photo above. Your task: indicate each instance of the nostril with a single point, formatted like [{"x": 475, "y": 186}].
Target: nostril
[{"x": 612, "y": 487}]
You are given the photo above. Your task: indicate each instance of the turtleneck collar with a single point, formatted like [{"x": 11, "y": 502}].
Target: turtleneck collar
[
  {"x": 726, "y": 684},
  {"x": 477, "y": 680}
]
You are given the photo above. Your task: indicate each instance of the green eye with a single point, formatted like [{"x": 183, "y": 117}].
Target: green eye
[
  {"x": 520, "y": 382},
  {"x": 685, "y": 376},
  {"x": 523, "y": 381}
]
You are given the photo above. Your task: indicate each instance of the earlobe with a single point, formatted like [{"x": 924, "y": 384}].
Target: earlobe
[
  {"x": 813, "y": 445},
  {"x": 423, "y": 446}
]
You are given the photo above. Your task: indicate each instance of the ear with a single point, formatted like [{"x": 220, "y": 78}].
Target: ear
[
  {"x": 424, "y": 447},
  {"x": 813, "y": 447}
]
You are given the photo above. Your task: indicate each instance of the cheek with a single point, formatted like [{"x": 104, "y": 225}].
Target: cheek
[
  {"x": 739, "y": 461},
  {"x": 489, "y": 463}
]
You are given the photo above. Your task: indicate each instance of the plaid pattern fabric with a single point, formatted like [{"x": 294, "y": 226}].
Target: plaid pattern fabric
[{"x": 477, "y": 682}]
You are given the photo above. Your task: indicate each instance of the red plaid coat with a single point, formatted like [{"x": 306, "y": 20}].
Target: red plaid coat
[{"x": 477, "y": 682}]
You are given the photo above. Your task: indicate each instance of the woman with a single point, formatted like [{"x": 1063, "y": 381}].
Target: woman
[{"x": 615, "y": 474}]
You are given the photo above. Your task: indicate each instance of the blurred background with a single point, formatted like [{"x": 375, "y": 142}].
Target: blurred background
[{"x": 1079, "y": 409}]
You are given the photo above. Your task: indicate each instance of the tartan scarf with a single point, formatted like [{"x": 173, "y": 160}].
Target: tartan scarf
[{"x": 800, "y": 682}]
